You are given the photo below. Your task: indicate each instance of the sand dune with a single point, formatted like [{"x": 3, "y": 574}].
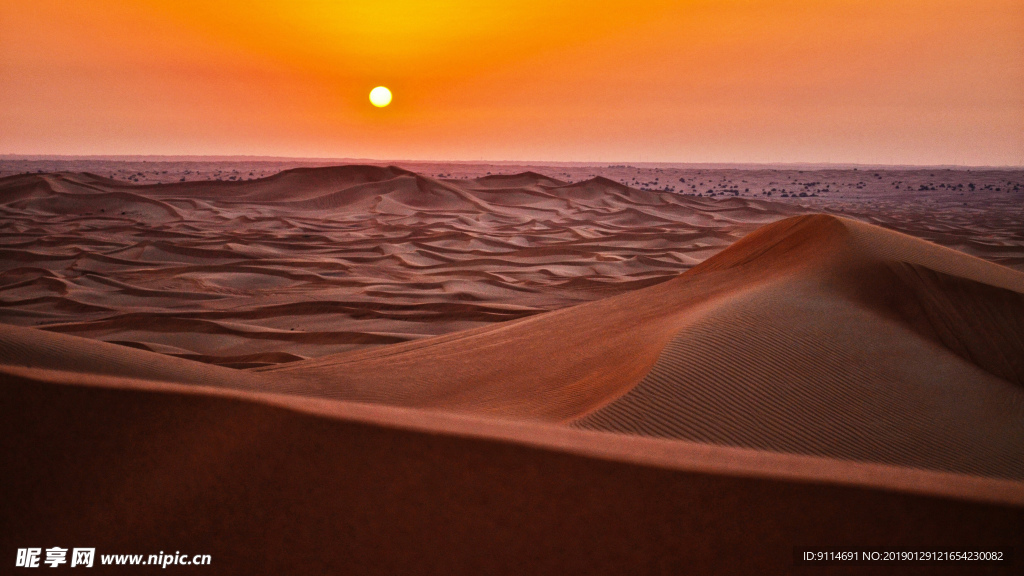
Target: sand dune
[
  {"x": 269, "y": 485},
  {"x": 366, "y": 369},
  {"x": 796, "y": 365},
  {"x": 814, "y": 335}
]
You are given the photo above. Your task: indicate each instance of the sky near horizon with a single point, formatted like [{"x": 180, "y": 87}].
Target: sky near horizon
[{"x": 866, "y": 81}]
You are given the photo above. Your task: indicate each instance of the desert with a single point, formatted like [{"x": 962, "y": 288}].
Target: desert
[
  {"x": 541, "y": 287},
  {"x": 415, "y": 368}
]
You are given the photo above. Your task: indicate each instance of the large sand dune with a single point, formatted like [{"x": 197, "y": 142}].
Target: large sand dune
[
  {"x": 675, "y": 383},
  {"x": 272, "y": 485}
]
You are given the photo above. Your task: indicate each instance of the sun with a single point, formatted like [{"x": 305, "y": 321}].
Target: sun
[{"x": 380, "y": 96}]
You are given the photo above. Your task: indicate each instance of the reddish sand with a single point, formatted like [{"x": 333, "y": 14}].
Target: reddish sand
[{"x": 609, "y": 389}]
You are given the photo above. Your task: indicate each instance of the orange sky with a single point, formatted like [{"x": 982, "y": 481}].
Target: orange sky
[{"x": 895, "y": 81}]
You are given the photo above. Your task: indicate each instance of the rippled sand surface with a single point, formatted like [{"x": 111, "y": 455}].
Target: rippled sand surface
[{"x": 313, "y": 261}]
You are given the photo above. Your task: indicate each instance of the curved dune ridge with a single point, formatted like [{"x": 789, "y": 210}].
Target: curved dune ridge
[
  {"x": 593, "y": 377},
  {"x": 314, "y": 261}
]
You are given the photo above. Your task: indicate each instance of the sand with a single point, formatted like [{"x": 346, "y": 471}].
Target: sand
[
  {"x": 367, "y": 369},
  {"x": 315, "y": 261}
]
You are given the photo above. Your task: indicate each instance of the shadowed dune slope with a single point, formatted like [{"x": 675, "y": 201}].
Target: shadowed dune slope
[
  {"x": 274, "y": 486},
  {"x": 38, "y": 349},
  {"x": 814, "y": 335}
]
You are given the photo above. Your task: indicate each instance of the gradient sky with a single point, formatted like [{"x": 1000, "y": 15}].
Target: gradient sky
[{"x": 870, "y": 81}]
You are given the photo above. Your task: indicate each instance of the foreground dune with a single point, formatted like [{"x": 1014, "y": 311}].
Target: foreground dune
[
  {"x": 271, "y": 485},
  {"x": 821, "y": 381}
]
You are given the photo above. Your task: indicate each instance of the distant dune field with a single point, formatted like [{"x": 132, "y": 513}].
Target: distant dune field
[{"x": 320, "y": 260}]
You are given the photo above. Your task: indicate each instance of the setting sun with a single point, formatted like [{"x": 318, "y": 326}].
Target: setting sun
[
  {"x": 380, "y": 96},
  {"x": 910, "y": 82}
]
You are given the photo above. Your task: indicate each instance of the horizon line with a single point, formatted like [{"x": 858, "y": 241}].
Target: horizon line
[{"x": 588, "y": 163}]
